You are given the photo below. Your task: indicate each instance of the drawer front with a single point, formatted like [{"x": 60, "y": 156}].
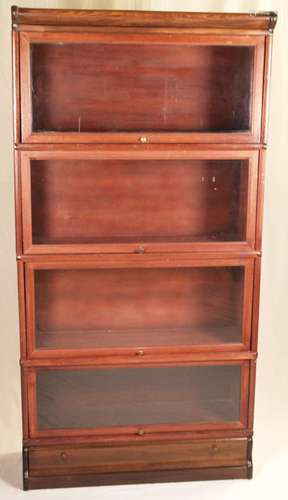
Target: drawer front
[
  {"x": 138, "y": 457},
  {"x": 152, "y": 88},
  {"x": 110, "y": 310},
  {"x": 103, "y": 201},
  {"x": 137, "y": 400}
]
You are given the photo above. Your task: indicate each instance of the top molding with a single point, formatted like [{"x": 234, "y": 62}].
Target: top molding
[{"x": 254, "y": 21}]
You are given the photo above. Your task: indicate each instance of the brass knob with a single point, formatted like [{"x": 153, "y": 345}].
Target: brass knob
[
  {"x": 214, "y": 448},
  {"x": 64, "y": 456},
  {"x": 140, "y": 352},
  {"x": 143, "y": 140},
  {"x": 140, "y": 432},
  {"x": 140, "y": 250}
]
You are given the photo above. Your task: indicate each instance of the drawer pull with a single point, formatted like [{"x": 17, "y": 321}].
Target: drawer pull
[
  {"x": 140, "y": 352},
  {"x": 64, "y": 456},
  {"x": 143, "y": 140},
  {"x": 140, "y": 432}
]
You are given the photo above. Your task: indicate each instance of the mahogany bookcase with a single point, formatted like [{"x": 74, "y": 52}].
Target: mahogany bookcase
[{"x": 140, "y": 140}]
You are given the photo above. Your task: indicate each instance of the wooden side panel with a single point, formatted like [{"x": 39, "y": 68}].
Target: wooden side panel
[
  {"x": 18, "y": 203},
  {"x": 16, "y": 87},
  {"x": 266, "y": 87}
]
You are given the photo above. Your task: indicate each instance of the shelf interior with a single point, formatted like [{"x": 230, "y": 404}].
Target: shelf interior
[
  {"x": 122, "y": 201},
  {"x": 141, "y": 87},
  {"x": 85, "y": 308},
  {"x": 137, "y": 396}
]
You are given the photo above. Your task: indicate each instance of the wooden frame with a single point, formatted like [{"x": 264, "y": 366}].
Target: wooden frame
[
  {"x": 128, "y": 153},
  {"x": 34, "y": 432},
  {"x": 253, "y": 135}
]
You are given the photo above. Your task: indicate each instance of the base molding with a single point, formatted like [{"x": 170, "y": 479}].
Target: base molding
[
  {"x": 205, "y": 474},
  {"x": 144, "y": 462}
]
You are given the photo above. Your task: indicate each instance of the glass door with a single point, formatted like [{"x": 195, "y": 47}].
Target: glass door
[
  {"x": 157, "y": 202},
  {"x": 147, "y": 309},
  {"x": 148, "y": 87},
  {"x": 137, "y": 400}
]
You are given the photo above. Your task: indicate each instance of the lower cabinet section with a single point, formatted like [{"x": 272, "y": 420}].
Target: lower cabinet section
[
  {"x": 112, "y": 424},
  {"x": 126, "y": 424},
  {"x": 48, "y": 466}
]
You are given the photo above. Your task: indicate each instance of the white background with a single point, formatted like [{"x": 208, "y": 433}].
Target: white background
[{"x": 271, "y": 417}]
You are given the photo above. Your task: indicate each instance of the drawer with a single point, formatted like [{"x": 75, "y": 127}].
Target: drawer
[
  {"x": 156, "y": 305},
  {"x": 47, "y": 461},
  {"x": 167, "y": 87},
  {"x": 130, "y": 201},
  {"x": 137, "y": 401}
]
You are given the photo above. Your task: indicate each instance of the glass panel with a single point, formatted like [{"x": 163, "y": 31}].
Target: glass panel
[
  {"x": 94, "y": 201},
  {"x": 137, "y": 396},
  {"x": 98, "y": 87},
  {"x": 86, "y": 308}
]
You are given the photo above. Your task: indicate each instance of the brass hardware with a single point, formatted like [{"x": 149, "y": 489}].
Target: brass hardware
[
  {"x": 140, "y": 352},
  {"x": 140, "y": 250},
  {"x": 140, "y": 432},
  {"x": 143, "y": 140},
  {"x": 64, "y": 456},
  {"x": 25, "y": 463},
  {"x": 214, "y": 448}
]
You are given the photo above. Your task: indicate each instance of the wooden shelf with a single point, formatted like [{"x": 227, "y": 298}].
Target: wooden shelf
[{"x": 213, "y": 335}]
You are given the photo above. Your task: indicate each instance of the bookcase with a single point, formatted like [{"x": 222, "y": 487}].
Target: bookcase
[{"x": 140, "y": 142}]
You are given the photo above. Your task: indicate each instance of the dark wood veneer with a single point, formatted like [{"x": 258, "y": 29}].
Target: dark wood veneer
[{"x": 139, "y": 197}]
